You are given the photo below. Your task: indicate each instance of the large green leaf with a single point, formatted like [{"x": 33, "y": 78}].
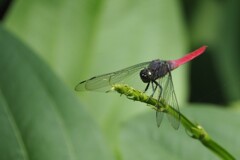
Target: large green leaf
[
  {"x": 39, "y": 117},
  {"x": 141, "y": 139},
  {"x": 80, "y": 39}
]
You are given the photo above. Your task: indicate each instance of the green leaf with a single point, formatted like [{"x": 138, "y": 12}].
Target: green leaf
[
  {"x": 140, "y": 137},
  {"x": 81, "y": 39},
  {"x": 39, "y": 117}
]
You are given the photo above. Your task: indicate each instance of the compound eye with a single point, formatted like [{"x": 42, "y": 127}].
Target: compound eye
[{"x": 144, "y": 75}]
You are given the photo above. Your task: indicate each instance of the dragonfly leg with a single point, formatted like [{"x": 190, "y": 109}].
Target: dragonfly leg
[
  {"x": 160, "y": 87},
  {"x": 153, "y": 89},
  {"x": 146, "y": 87}
]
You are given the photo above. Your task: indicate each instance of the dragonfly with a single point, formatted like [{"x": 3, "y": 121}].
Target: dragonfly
[{"x": 156, "y": 74}]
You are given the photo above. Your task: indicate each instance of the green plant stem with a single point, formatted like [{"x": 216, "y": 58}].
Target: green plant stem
[{"x": 195, "y": 131}]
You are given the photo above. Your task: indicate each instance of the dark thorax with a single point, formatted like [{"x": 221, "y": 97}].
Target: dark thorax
[{"x": 155, "y": 70}]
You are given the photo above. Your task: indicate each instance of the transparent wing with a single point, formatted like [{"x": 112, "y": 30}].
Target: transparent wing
[
  {"x": 168, "y": 94},
  {"x": 103, "y": 82},
  {"x": 159, "y": 117}
]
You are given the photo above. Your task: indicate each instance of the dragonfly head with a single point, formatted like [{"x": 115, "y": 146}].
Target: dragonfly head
[{"x": 146, "y": 75}]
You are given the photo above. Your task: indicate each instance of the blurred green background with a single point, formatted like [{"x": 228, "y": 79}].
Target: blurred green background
[{"x": 47, "y": 47}]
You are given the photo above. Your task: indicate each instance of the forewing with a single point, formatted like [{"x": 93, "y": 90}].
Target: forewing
[
  {"x": 94, "y": 83},
  {"x": 169, "y": 96},
  {"x": 105, "y": 81}
]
